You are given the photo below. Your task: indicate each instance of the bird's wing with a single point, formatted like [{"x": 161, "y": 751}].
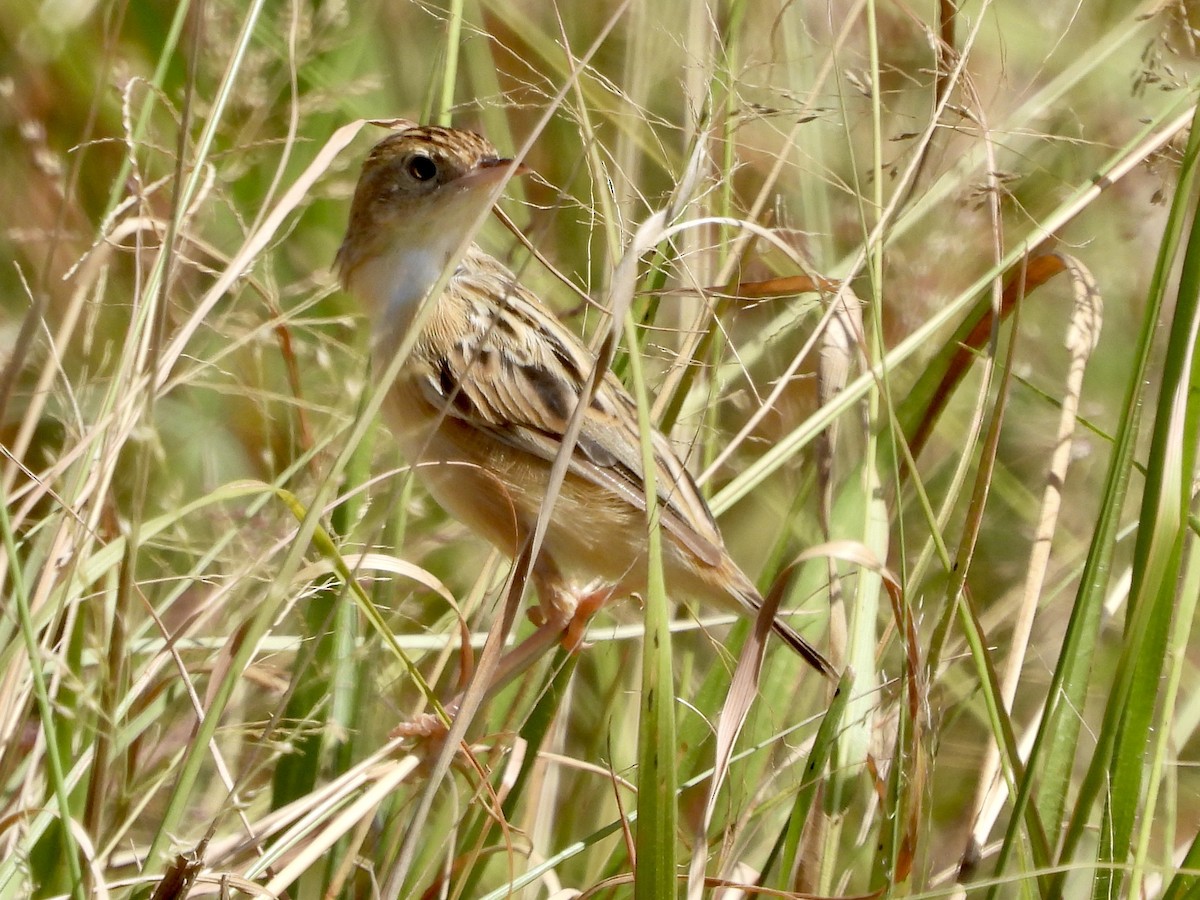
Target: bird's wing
[{"x": 510, "y": 369}]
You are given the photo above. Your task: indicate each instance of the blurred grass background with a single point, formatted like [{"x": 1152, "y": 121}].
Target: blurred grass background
[{"x": 183, "y": 669}]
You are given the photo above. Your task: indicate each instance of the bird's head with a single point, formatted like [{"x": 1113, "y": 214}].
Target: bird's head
[{"x": 421, "y": 191}]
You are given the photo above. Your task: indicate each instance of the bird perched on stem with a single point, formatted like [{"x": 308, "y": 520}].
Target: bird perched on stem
[{"x": 482, "y": 402}]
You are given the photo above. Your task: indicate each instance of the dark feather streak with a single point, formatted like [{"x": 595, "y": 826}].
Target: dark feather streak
[{"x": 550, "y": 391}]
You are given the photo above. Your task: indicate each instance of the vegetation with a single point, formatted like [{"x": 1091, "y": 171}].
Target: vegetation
[{"x": 917, "y": 293}]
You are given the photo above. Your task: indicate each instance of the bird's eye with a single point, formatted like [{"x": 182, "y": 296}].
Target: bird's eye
[{"x": 422, "y": 168}]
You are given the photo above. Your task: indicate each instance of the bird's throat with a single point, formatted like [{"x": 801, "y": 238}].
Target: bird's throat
[{"x": 393, "y": 284}]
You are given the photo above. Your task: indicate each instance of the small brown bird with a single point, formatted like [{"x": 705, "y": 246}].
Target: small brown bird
[{"x": 481, "y": 404}]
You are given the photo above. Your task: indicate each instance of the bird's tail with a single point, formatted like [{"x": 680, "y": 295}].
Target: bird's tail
[
  {"x": 744, "y": 590},
  {"x": 804, "y": 649}
]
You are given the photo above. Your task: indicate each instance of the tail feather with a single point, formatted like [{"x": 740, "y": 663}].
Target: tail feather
[
  {"x": 804, "y": 649},
  {"x": 751, "y": 601}
]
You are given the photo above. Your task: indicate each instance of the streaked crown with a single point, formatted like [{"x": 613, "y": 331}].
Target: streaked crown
[{"x": 417, "y": 161}]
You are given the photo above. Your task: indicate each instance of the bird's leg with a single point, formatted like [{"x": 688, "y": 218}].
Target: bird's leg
[
  {"x": 586, "y": 606},
  {"x": 566, "y": 611},
  {"x": 567, "y": 625},
  {"x": 560, "y": 616},
  {"x": 509, "y": 666}
]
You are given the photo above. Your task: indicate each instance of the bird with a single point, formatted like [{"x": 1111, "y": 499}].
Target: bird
[{"x": 481, "y": 404}]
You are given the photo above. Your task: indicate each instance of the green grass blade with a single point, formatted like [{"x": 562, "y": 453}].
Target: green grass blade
[
  {"x": 824, "y": 744},
  {"x": 47, "y": 719},
  {"x": 1053, "y": 754},
  {"x": 656, "y": 871},
  {"x": 1158, "y": 558}
]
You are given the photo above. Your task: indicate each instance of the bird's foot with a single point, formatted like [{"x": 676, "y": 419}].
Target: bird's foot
[
  {"x": 569, "y": 614},
  {"x": 426, "y": 726},
  {"x": 555, "y": 609},
  {"x": 586, "y": 607}
]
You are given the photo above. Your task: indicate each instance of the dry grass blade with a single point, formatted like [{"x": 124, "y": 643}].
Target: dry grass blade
[
  {"x": 296, "y": 193},
  {"x": 1024, "y": 280},
  {"x": 318, "y": 843}
]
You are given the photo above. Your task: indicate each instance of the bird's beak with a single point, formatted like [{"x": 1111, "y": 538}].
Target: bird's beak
[{"x": 491, "y": 170}]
